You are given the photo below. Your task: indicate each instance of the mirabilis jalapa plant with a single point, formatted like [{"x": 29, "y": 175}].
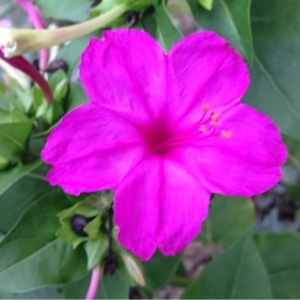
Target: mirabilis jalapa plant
[{"x": 163, "y": 130}]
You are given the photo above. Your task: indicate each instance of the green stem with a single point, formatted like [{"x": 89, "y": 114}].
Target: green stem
[
  {"x": 19, "y": 41},
  {"x": 36, "y": 176}
]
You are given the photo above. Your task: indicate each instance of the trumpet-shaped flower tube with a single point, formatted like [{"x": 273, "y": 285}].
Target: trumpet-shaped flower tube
[
  {"x": 15, "y": 42},
  {"x": 37, "y": 20},
  {"x": 165, "y": 131}
]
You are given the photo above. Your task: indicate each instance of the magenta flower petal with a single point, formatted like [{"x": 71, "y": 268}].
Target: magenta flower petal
[
  {"x": 205, "y": 70},
  {"x": 82, "y": 166},
  {"x": 161, "y": 208},
  {"x": 244, "y": 164},
  {"x": 126, "y": 71},
  {"x": 165, "y": 132}
]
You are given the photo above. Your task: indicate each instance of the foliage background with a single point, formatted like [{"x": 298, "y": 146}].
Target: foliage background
[{"x": 252, "y": 246}]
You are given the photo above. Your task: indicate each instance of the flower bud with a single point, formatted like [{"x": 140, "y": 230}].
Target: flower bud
[{"x": 134, "y": 268}]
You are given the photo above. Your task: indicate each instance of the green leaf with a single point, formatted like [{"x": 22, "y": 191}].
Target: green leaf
[
  {"x": 19, "y": 197},
  {"x": 15, "y": 129},
  {"x": 280, "y": 253},
  {"x": 229, "y": 220},
  {"x": 9, "y": 177},
  {"x": 230, "y": 19},
  {"x": 114, "y": 287},
  {"x": 72, "y": 52},
  {"x": 275, "y": 73},
  {"x": 76, "y": 97},
  {"x": 159, "y": 24},
  {"x": 31, "y": 256},
  {"x": 45, "y": 293},
  {"x": 239, "y": 273},
  {"x": 159, "y": 270},
  {"x": 111, "y": 287},
  {"x": 64, "y": 10},
  {"x": 207, "y": 4}
]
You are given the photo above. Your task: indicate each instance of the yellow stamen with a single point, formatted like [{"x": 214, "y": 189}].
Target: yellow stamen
[
  {"x": 205, "y": 106},
  {"x": 203, "y": 129},
  {"x": 215, "y": 123},
  {"x": 226, "y": 134},
  {"x": 215, "y": 116}
]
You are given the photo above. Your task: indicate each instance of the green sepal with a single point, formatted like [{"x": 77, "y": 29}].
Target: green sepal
[
  {"x": 92, "y": 228},
  {"x": 59, "y": 84},
  {"x": 34, "y": 104},
  {"x": 134, "y": 267},
  {"x": 207, "y": 4},
  {"x": 95, "y": 250}
]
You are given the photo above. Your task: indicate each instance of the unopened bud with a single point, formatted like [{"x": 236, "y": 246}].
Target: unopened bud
[{"x": 134, "y": 268}]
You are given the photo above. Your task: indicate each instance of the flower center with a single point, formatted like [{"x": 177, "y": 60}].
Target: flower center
[
  {"x": 159, "y": 140},
  {"x": 163, "y": 137}
]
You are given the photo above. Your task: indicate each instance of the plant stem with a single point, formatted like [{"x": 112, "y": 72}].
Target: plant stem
[
  {"x": 94, "y": 284},
  {"x": 19, "y": 41}
]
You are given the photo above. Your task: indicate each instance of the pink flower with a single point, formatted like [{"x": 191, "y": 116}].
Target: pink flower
[{"x": 164, "y": 131}]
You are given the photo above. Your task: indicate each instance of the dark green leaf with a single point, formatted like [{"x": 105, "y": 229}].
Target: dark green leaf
[
  {"x": 9, "y": 177},
  {"x": 71, "y": 54},
  {"x": 159, "y": 270},
  {"x": 275, "y": 73},
  {"x": 166, "y": 33},
  {"x": 15, "y": 129},
  {"x": 280, "y": 253},
  {"x": 293, "y": 191},
  {"x": 45, "y": 293},
  {"x": 229, "y": 220},
  {"x": 114, "y": 287},
  {"x": 31, "y": 256},
  {"x": 64, "y": 10},
  {"x": 20, "y": 196},
  {"x": 76, "y": 97},
  {"x": 160, "y": 26},
  {"x": 239, "y": 273},
  {"x": 231, "y": 19}
]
